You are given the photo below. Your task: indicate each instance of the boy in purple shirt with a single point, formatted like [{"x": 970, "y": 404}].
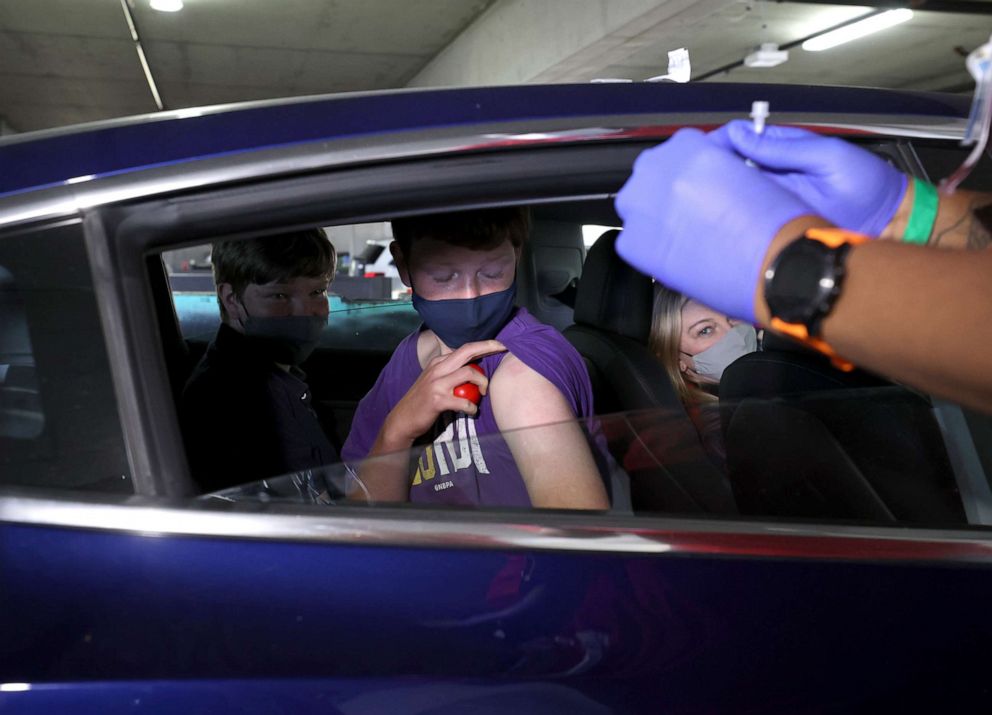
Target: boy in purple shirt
[{"x": 462, "y": 270}]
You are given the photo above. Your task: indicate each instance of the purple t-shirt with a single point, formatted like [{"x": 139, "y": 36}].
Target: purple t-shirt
[{"x": 465, "y": 460}]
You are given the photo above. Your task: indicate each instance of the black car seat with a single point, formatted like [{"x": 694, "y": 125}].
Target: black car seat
[
  {"x": 806, "y": 440},
  {"x": 548, "y": 271},
  {"x": 612, "y": 323}
]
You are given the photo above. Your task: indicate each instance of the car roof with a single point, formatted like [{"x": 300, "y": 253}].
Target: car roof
[{"x": 64, "y": 156}]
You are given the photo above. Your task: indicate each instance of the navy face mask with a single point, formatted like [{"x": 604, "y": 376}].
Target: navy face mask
[
  {"x": 287, "y": 340},
  {"x": 464, "y": 320}
]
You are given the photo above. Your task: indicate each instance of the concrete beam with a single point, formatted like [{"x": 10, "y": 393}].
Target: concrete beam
[
  {"x": 521, "y": 41},
  {"x": 5, "y": 128}
]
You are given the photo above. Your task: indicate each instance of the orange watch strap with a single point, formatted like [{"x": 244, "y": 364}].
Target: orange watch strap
[
  {"x": 799, "y": 332},
  {"x": 832, "y": 237}
]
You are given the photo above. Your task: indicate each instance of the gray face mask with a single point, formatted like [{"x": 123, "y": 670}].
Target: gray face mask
[
  {"x": 287, "y": 340},
  {"x": 711, "y": 362}
]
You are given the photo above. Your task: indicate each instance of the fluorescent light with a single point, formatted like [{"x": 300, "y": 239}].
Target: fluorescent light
[
  {"x": 166, "y": 5},
  {"x": 857, "y": 30}
]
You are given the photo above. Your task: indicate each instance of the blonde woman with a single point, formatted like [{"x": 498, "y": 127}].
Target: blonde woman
[{"x": 695, "y": 344}]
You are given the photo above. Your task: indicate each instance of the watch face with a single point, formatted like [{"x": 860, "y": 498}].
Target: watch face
[{"x": 802, "y": 283}]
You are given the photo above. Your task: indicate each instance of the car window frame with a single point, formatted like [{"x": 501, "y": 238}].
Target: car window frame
[
  {"x": 131, "y": 238},
  {"x": 348, "y": 195},
  {"x": 122, "y": 236}
]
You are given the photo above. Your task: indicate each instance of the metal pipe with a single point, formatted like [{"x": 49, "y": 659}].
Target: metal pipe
[{"x": 136, "y": 38}]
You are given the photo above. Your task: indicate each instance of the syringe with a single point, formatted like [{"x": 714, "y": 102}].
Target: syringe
[{"x": 759, "y": 113}]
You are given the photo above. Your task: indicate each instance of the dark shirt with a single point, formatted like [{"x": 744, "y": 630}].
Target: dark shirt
[{"x": 244, "y": 418}]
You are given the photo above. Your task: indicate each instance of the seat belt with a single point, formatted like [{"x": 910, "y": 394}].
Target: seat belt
[{"x": 965, "y": 462}]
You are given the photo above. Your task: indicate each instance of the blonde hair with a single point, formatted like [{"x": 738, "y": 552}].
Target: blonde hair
[{"x": 664, "y": 340}]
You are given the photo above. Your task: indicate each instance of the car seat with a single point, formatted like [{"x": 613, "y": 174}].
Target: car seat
[
  {"x": 806, "y": 440},
  {"x": 548, "y": 271},
  {"x": 612, "y": 323}
]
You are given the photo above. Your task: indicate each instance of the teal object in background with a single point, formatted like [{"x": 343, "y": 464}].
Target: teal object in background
[{"x": 352, "y": 325}]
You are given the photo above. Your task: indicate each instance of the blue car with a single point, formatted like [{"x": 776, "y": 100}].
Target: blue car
[{"x": 839, "y": 561}]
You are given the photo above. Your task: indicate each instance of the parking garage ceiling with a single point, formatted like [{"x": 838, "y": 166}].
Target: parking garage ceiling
[{"x": 69, "y": 61}]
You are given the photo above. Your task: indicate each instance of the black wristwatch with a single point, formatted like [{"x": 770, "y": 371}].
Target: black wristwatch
[{"x": 804, "y": 281}]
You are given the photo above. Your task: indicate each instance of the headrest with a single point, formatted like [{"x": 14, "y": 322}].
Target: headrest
[
  {"x": 612, "y": 295},
  {"x": 555, "y": 251},
  {"x": 552, "y": 281}
]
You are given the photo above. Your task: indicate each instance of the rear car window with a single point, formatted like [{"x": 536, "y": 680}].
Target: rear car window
[{"x": 59, "y": 426}]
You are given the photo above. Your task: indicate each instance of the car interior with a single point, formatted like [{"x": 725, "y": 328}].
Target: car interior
[{"x": 803, "y": 439}]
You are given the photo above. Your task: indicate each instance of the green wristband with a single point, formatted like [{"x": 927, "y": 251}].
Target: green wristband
[{"x": 924, "y": 213}]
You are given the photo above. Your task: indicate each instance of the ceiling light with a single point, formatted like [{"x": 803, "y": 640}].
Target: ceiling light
[
  {"x": 768, "y": 55},
  {"x": 857, "y": 30},
  {"x": 166, "y": 5}
]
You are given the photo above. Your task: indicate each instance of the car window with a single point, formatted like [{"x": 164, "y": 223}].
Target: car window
[
  {"x": 59, "y": 427},
  {"x": 370, "y": 253},
  {"x": 21, "y": 416},
  {"x": 800, "y": 442},
  {"x": 368, "y": 311},
  {"x": 827, "y": 450}
]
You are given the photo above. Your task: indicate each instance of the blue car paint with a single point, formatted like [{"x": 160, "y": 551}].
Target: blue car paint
[
  {"x": 253, "y": 626},
  {"x": 103, "y": 151}
]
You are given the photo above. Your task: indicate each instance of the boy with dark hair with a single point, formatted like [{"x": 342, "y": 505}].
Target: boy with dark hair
[
  {"x": 461, "y": 268},
  {"x": 245, "y": 411}
]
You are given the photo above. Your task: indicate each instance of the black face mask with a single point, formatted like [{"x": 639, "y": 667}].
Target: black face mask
[
  {"x": 457, "y": 321},
  {"x": 287, "y": 340}
]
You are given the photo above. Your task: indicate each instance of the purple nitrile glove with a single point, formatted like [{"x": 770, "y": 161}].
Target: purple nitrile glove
[
  {"x": 845, "y": 184},
  {"x": 698, "y": 219}
]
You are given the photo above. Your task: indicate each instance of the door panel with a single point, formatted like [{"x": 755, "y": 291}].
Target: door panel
[{"x": 631, "y": 633}]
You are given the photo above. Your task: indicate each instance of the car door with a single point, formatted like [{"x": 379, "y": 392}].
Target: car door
[{"x": 120, "y": 592}]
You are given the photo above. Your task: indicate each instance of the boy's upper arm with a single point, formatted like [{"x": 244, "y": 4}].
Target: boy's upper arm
[
  {"x": 522, "y": 397},
  {"x": 556, "y": 463}
]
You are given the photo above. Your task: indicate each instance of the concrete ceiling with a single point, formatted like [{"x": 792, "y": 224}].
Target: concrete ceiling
[{"x": 70, "y": 61}]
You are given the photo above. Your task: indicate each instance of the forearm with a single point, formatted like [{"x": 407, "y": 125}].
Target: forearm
[
  {"x": 957, "y": 224},
  {"x": 917, "y": 315},
  {"x": 385, "y": 472}
]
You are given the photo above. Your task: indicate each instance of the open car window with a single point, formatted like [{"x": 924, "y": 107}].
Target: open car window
[{"x": 784, "y": 438}]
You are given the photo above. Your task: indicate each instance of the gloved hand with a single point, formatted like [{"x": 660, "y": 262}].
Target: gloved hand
[
  {"x": 700, "y": 220},
  {"x": 847, "y": 185}
]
